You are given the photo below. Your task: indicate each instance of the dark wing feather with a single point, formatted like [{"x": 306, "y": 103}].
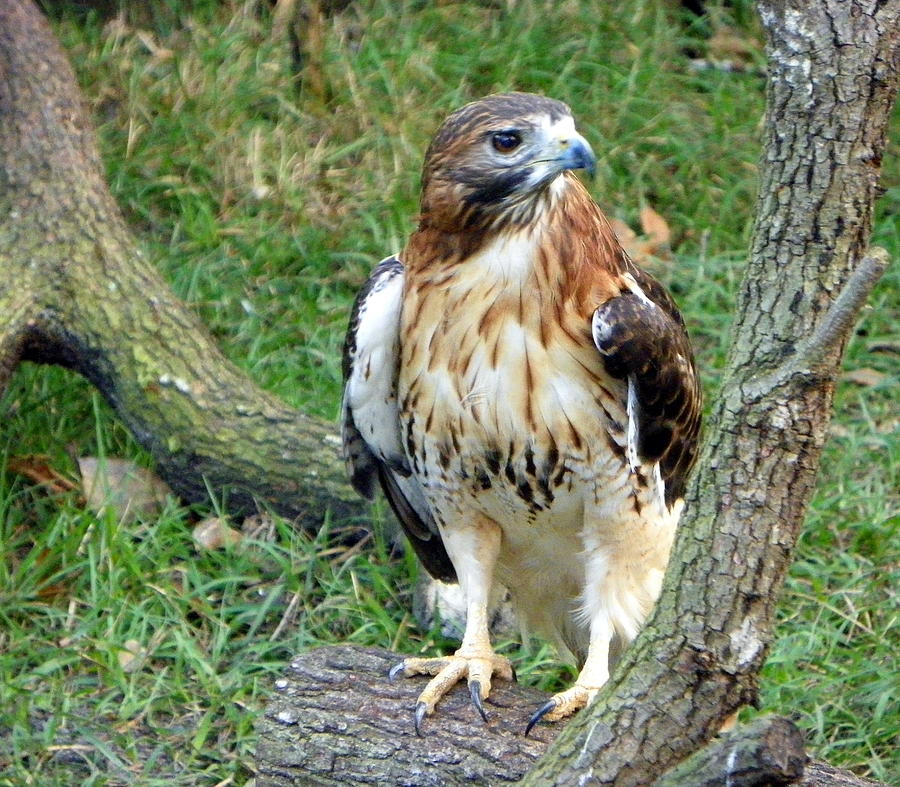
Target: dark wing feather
[
  {"x": 642, "y": 337},
  {"x": 370, "y": 424}
]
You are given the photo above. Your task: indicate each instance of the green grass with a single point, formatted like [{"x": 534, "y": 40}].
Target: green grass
[{"x": 265, "y": 202}]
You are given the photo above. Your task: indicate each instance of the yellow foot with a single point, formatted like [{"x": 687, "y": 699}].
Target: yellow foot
[
  {"x": 563, "y": 704},
  {"x": 478, "y": 666}
]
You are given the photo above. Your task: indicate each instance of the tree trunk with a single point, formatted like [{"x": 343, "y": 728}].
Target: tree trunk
[
  {"x": 833, "y": 75},
  {"x": 77, "y": 291},
  {"x": 337, "y": 720}
]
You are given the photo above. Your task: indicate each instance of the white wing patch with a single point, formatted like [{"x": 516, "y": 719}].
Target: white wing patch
[
  {"x": 370, "y": 392},
  {"x": 370, "y": 414},
  {"x": 631, "y": 444},
  {"x": 635, "y": 289}
]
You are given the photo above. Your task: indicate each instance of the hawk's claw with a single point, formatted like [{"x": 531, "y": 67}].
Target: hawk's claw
[
  {"x": 396, "y": 670},
  {"x": 421, "y": 713},
  {"x": 475, "y": 694},
  {"x": 479, "y": 666},
  {"x": 539, "y": 714},
  {"x": 564, "y": 704}
]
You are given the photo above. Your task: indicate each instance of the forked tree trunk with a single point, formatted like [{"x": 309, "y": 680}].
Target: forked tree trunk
[
  {"x": 833, "y": 75},
  {"x": 76, "y": 290}
]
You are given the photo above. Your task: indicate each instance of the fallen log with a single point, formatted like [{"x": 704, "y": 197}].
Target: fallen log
[{"x": 335, "y": 718}]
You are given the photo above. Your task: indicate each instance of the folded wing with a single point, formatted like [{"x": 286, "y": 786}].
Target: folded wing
[
  {"x": 642, "y": 338},
  {"x": 370, "y": 422}
]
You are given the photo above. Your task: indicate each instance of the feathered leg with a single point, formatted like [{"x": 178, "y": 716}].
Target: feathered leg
[
  {"x": 473, "y": 550},
  {"x": 620, "y": 589},
  {"x": 590, "y": 680}
]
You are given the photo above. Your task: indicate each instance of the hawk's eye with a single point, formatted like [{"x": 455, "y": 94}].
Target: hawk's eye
[{"x": 506, "y": 141}]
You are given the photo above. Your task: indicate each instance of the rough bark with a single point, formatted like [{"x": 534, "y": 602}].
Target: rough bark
[
  {"x": 76, "y": 290},
  {"x": 336, "y": 719},
  {"x": 769, "y": 750},
  {"x": 832, "y": 82}
]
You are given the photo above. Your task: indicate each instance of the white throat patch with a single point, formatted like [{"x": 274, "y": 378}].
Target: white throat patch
[{"x": 509, "y": 257}]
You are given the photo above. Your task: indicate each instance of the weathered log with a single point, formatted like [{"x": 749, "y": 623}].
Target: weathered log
[
  {"x": 76, "y": 290},
  {"x": 337, "y": 719}
]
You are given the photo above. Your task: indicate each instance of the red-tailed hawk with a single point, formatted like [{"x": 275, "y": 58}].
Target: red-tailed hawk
[{"x": 525, "y": 396}]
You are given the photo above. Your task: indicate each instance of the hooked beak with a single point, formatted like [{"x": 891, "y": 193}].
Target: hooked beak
[{"x": 575, "y": 153}]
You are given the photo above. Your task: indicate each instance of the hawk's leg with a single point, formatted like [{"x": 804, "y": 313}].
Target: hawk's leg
[
  {"x": 473, "y": 550},
  {"x": 611, "y": 588},
  {"x": 590, "y": 680}
]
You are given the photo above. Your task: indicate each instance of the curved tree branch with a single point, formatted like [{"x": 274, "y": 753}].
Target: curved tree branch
[{"x": 77, "y": 291}]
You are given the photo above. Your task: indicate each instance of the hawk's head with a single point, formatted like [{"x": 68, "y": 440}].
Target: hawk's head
[{"x": 496, "y": 158}]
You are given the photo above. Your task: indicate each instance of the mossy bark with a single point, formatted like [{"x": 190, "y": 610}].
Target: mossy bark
[
  {"x": 833, "y": 75},
  {"x": 76, "y": 290}
]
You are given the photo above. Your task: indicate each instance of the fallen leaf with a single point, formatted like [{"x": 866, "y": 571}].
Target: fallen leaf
[
  {"x": 864, "y": 376},
  {"x": 133, "y": 492},
  {"x": 259, "y": 527},
  {"x": 728, "y": 44},
  {"x": 37, "y": 468},
  {"x": 623, "y": 232},
  {"x": 214, "y": 533},
  {"x": 731, "y": 50},
  {"x": 655, "y": 228},
  {"x": 131, "y": 656},
  {"x": 646, "y": 250}
]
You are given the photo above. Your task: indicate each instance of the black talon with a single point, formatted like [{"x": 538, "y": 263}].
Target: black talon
[
  {"x": 421, "y": 712},
  {"x": 539, "y": 714},
  {"x": 475, "y": 694},
  {"x": 396, "y": 670},
  {"x": 515, "y": 677}
]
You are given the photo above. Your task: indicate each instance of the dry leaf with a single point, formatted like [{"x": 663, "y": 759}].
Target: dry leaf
[
  {"x": 648, "y": 249},
  {"x": 214, "y": 533},
  {"x": 133, "y": 492},
  {"x": 864, "y": 376},
  {"x": 623, "y": 232},
  {"x": 655, "y": 228},
  {"x": 131, "y": 656},
  {"x": 731, "y": 50},
  {"x": 36, "y": 467},
  {"x": 635, "y": 247},
  {"x": 259, "y": 527},
  {"x": 728, "y": 44}
]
